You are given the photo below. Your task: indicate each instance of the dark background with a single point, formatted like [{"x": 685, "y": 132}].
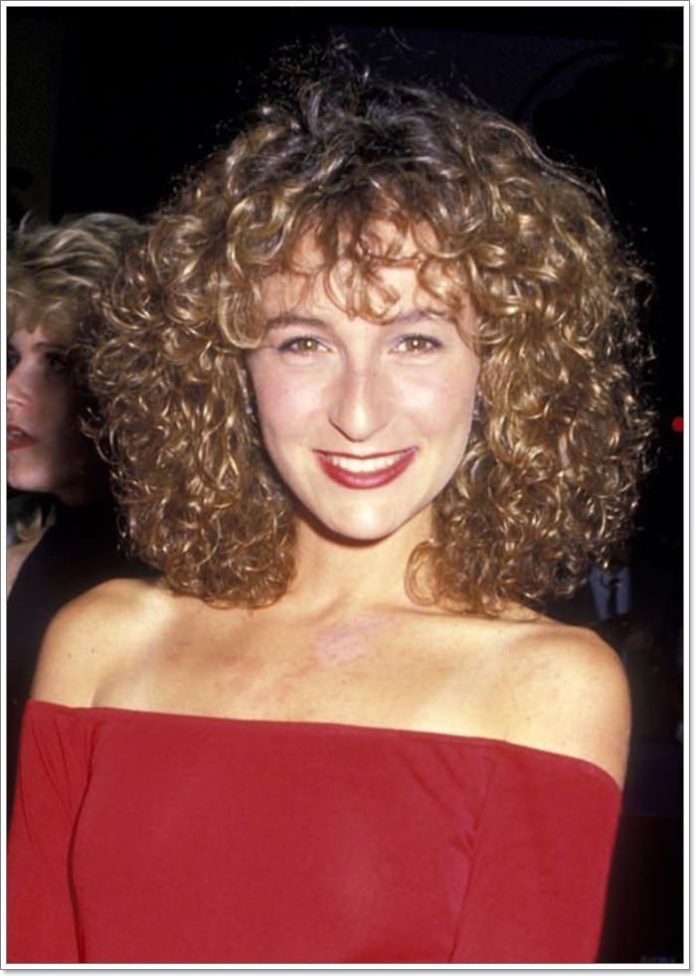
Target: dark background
[{"x": 108, "y": 106}]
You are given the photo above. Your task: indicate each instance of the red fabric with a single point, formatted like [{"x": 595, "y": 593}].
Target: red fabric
[{"x": 141, "y": 837}]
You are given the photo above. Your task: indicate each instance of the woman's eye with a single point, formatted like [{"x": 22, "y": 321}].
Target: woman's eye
[
  {"x": 302, "y": 344},
  {"x": 57, "y": 362},
  {"x": 418, "y": 343},
  {"x": 12, "y": 359}
]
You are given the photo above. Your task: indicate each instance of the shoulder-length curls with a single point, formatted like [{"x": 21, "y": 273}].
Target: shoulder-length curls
[{"x": 548, "y": 481}]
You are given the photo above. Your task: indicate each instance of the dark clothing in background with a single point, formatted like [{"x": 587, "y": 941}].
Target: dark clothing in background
[{"x": 80, "y": 550}]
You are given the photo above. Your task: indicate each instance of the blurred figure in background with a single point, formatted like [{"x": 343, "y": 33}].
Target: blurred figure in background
[{"x": 68, "y": 541}]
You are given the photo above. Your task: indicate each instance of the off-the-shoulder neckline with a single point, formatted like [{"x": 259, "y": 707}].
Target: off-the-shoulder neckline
[{"x": 339, "y": 728}]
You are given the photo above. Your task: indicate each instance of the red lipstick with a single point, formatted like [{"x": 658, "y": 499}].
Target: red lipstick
[
  {"x": 17, "y": 438},
  {"x": 369, "y": 471}
]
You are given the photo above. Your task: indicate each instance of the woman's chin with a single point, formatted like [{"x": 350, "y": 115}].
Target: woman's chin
[
  {"x": 363, "y": 536},
  {"x": 28, "y": 484},
  {"x": 356, "y": 528}
]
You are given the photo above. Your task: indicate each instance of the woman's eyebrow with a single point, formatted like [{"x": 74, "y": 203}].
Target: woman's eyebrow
[
  {"x": 414, "y": 315},
  {"x": 409, "y": 317},
  {"x": 288, "y": 319}
]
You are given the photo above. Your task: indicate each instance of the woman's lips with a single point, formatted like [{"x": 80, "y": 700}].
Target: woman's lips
[
  {"x": 372, "y": 471},
  {"x": 17, "y": 438}
]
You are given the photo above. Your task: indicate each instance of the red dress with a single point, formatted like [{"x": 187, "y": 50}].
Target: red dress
[{"x": 144, "y": 837}]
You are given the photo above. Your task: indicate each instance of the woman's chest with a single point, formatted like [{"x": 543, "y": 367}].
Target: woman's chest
[
  {"x": 274, "y": 842},
  {"x": 366, "y": 671}
]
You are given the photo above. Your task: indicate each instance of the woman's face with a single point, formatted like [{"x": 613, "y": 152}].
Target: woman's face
[
  {"x": 45, "y": 450},
  {"x": 365, "y": 422}
]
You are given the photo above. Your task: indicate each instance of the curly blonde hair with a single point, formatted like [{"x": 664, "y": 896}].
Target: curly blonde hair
[
  {"x": 56, "y": 272},
  {"x": 548, "y": 481}
]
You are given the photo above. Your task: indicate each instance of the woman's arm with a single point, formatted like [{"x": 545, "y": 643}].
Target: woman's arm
[
  {"x": 540, "y": 863},
  {"x": 543, "y": 845},
  {"x": 79, "y": 650},
  {"x": 41, "y": 927}
]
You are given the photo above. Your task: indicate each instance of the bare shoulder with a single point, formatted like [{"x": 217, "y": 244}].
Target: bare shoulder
[
  {"x": 100, "y": 630},
  {"x": 569, "y": 694}
]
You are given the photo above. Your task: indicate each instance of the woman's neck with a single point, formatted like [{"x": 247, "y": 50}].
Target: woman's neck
[{"x": 333, "y": 572}]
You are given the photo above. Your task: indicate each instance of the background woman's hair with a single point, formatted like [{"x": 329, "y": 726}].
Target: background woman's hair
[
  {"x": 56, "y": 276},
  {"x": 548, "y": 481},
  {"x": 55, "y": 272}
]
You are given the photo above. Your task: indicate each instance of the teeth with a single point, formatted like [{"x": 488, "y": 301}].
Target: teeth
[{"x": 365, "y": 465}]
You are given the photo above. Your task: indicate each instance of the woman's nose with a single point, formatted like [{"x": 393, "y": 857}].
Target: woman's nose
[
  {"x": 359, "y": 407},
  {"x": 17, "y": 386}
]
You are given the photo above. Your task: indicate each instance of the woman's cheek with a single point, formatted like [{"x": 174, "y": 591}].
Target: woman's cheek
[
  {"x": 287, "y": 402},
  {"x": 432, "y": 401}
]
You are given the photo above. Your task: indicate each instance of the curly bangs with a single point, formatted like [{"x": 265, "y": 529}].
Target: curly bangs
[
  {"x": 55, "y": 272},
  {"x": 548, "y": 481}
]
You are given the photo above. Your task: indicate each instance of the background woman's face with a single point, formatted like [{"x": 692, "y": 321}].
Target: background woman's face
[
  {"x": 45, "y": 450},
  {"x": 365, "y": 422}
]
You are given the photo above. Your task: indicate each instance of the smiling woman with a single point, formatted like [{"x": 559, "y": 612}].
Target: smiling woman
[
  {"x": 349, "y": 402},
  {"x": 369, "y": 388}
]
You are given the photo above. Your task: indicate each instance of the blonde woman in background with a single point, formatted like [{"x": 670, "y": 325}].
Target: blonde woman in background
[{"x": 55, "y": 276}]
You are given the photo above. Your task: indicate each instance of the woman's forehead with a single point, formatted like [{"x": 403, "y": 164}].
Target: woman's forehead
[
  {"x": 291, "y": 299},
  {"x": 34, "y": 333},
  {"x": 372, "y": 239},
  {"x": 31, "y": 317},
  {"x": 390, "y": 288},
  {"x": 380, "y": 273}
]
